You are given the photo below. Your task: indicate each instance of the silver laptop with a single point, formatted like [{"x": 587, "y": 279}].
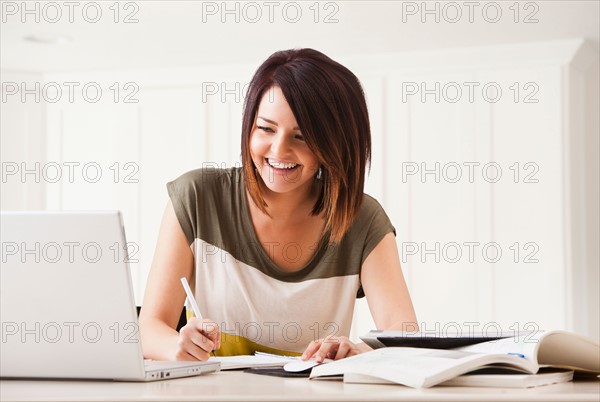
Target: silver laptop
[{"x": 67, "y": 305}]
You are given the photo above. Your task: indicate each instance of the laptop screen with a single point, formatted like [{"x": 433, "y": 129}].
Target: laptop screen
[{"x": 67, "y": 303}]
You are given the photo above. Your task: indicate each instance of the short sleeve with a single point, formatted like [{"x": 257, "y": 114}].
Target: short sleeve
[
  {"x": 183, "y": 192},
  {"x": 379, "y": 226}
]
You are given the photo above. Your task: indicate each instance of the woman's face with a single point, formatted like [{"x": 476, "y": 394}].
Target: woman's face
[{"x": 277, "y": 146}]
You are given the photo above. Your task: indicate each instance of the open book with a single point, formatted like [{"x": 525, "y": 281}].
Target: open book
[
  {"x": 484, "y": 378},
  {"x": 425, "y": 367}
]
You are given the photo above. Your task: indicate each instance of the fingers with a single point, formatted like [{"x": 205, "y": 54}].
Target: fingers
[
  {"x": 330, "y": 348},
  {"x": 197, "y": 339},
  {"x": 342, "y": 351},
  {"x": 209, "y": 329},
  {"x": 311, "y": 349},
  {"x": 218, "y": 340}
]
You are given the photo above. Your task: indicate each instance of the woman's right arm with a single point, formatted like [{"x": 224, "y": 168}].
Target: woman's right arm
[{"x": 164, "y": 298}]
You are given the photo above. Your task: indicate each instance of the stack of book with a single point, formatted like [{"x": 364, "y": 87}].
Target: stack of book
[{"x": 423, "y": 360}]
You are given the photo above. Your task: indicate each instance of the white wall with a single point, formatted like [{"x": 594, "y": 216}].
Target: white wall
[
  {"x": 165, "y": 34},
  {"x": 22, "y": 141},
  {"x": 179, "y": 123}
]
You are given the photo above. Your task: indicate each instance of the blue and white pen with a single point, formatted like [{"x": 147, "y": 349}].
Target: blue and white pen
[
  {"x": 191, "y": 297},
  {"x": 192, "y": 300}
]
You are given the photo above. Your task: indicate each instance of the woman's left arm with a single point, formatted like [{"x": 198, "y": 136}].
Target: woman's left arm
[
  {"x": 388, "y": 299},
  {"x": 385, "y": 288}
]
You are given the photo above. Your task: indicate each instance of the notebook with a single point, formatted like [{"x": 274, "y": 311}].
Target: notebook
[{"x": 67, "y": 303}]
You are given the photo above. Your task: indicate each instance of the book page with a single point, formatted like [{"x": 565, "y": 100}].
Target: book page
[
  {"x": 569, "y": 350},
  {"x": 523, "y": 346},
  {"x": 554, "y": 348},
  {"x": 250, "y": 361},
  {"x": 511, "y": 380},
  {"x": 418, "y": 367}
]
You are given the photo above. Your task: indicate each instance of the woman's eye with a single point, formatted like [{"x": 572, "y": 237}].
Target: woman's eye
[
  {"x": 299, "y": 137},
  {"x": 267, "y": 129}
]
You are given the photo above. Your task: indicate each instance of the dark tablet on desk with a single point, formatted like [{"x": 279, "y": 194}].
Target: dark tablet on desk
[
  {"x": 380, "y": 339},
  {"x": 277, "y": 372}
]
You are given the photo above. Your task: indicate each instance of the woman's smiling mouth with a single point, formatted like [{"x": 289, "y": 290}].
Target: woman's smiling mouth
[{"x": 280, "y": 166}]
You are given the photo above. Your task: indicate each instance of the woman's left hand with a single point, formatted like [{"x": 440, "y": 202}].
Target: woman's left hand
[{"x": 333, "y": 347}]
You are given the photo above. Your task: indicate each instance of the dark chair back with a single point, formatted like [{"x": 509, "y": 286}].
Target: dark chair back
[{"x": 182, "y": 318}]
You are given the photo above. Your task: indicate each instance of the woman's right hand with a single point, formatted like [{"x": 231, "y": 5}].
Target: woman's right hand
[{"x": 197, "y": 339}]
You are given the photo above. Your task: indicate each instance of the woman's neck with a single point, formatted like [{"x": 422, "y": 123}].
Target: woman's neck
[{"x": 291, "y": 207}]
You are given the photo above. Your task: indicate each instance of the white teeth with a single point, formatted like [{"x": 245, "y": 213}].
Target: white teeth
[{"x": 281, "y": 165}]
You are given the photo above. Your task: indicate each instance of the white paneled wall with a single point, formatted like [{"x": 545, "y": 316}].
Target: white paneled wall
[
  {"x": 522, "y": 214},
  {"x": 180, "y": 123},
  {"x": 439, "y": 133},
  {"x": 22, "y": 144}
]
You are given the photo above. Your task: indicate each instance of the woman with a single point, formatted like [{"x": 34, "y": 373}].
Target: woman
[{"x": 278, "y": 250}]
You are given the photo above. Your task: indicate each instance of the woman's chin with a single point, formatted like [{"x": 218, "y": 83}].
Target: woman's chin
[{"x": 283, "y": 184}]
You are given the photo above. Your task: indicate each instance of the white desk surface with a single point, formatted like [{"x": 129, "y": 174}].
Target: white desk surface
[{"x": 239, "y": 386}]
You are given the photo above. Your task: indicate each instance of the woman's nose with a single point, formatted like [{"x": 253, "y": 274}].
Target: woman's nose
[{"x": 279, "y": 144}]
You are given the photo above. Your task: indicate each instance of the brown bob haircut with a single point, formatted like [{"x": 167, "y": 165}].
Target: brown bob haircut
[{"x": 329, "y": 105}]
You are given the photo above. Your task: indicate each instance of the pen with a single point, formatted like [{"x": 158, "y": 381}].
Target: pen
[
  {"x": 190, "y": 297},
  {"x": 192, "y": 300}
]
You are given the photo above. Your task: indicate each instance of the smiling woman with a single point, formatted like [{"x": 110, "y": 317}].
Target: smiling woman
[
  {"x": 279, "y": 249},
  {"x": 279, "y": 152},
  {"x": 328, "y": 101}
]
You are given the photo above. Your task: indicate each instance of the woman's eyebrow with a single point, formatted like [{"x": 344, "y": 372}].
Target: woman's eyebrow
[{"x": 274, "y": 123}]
